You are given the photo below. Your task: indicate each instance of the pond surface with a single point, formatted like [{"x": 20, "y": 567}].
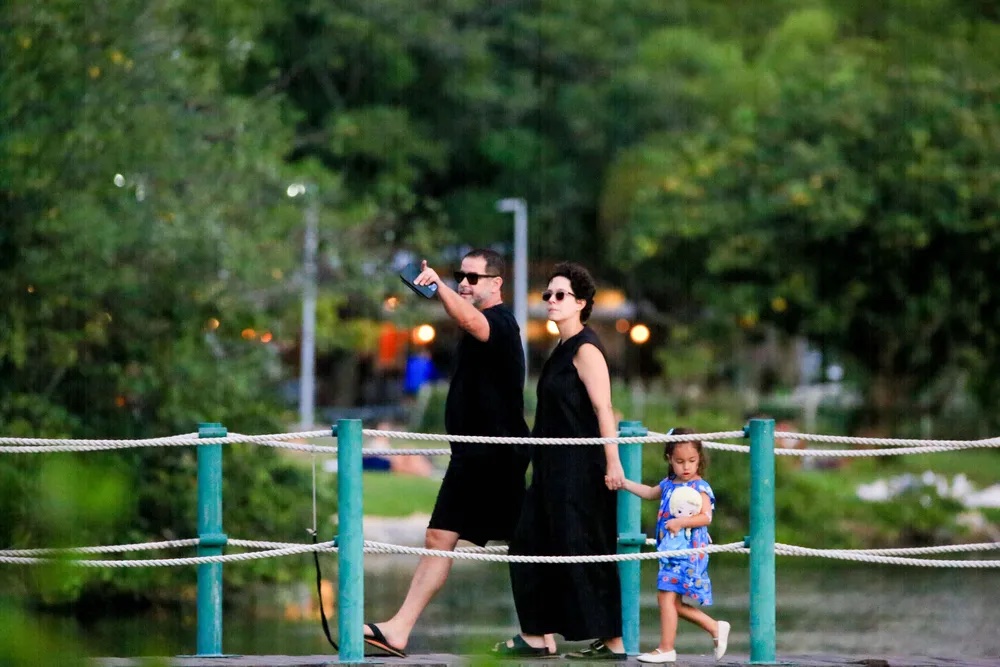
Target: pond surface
[{"x": 823, "y": 607}]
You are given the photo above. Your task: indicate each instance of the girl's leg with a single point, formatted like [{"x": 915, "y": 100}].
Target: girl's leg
[
  {"x": 719, "y": 630},
  {"x": 668, "y": 619},
  {"x": 697, "y": 616}
]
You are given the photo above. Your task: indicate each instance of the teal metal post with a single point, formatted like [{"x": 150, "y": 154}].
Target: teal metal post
[
  {"x": 350, "y": 542},
  {"x": 630, "y": 537},
  {"x": 761, "y": 543},
  {"x": 211, "y": 540}
]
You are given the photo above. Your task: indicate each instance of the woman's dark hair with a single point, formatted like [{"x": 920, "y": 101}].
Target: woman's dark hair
[
  {"x": 668, "y": 449},
  {"x": 581, "y": 282}
]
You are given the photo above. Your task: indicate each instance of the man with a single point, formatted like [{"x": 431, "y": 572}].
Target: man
[{"x": 482, "y": 491}]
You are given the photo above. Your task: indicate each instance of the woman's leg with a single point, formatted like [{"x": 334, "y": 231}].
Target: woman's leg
[
  {"x": 536, "y": 641},
  {"x": 615, "y": 644}
]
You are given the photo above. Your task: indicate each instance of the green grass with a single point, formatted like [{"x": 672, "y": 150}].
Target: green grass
[
  {"x": 398, "y": 495},
  {"x": 981, "y": 466}
]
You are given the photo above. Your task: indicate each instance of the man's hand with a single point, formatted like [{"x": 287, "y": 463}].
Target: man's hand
[
  {"x": 459, "y": 308},
  {"x": 427, "y": 276}
]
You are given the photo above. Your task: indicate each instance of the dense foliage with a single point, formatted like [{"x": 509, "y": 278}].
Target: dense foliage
[{"x": 820, "y": 169}]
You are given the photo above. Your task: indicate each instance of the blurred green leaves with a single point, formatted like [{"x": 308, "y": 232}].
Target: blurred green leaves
[
  {"x": 825, "y": 170},
  {"x": 855, "y": 192}
]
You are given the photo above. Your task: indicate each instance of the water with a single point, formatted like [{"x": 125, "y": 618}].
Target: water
[{"x": 823, "y": 607}]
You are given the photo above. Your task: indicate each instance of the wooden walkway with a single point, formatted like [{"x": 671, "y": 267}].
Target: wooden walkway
[{"x": 445, "y": 660}]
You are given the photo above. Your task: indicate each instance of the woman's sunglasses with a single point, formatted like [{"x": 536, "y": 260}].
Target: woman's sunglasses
[
  {"x": 559, "y": 295},
  {"x": 473, "y": 278}
]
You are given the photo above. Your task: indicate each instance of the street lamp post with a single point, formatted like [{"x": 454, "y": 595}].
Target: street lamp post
[
  {"x": 307, "y": 350},
  {"x": 519, "y": 208}
]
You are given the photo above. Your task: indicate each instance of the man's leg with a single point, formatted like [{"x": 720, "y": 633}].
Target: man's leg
[{"x": 428, "y": 579}]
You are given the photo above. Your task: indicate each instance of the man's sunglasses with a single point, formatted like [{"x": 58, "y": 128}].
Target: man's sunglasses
[
  {"x": 473, "y": 278},
  {"x": 559, "y": 295}
]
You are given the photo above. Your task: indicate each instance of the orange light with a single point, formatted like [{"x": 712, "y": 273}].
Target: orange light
[
  {"x": 622, "y": 326},
  {"x": 609, "y": 298},
  {"x": 390, "y": 304},
  {"x": 120, "y": 401},
  {"x": 639, "y": 334},
  {"x": 551, "y": 327},
  {"x": 423, "y": 334},
  {"x": 248, "y": 334},
  {"x": 213, "y": 324},
  {"x": 265, "y": 337}
]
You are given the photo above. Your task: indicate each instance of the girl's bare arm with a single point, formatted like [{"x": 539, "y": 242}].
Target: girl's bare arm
[{"x": 642, "y": 490}]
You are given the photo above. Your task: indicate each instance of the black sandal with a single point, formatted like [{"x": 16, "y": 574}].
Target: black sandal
[
  {"x": 378, "y": 640},
  {"x": 520, "y": 649},
  {"x": 597, "y": 651}
]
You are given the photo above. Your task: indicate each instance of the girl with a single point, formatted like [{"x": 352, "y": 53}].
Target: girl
[{"x": 682, "y": 576}]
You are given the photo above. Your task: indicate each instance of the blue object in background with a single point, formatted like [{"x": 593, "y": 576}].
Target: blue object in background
[
  {"x": 419, "y": 371},
  {"x": 376, "y": 463}
]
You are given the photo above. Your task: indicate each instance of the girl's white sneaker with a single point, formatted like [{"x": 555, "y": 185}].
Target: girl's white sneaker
[
  {"x": 659, "y": 657},
  {"x": 722, "y": 641}
]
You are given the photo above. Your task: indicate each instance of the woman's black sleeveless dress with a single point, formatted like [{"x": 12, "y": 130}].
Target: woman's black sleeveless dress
[{"x": 568, "y": 511}]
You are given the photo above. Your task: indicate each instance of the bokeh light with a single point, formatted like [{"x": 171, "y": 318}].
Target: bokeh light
[{"x": 639, "y": 334}]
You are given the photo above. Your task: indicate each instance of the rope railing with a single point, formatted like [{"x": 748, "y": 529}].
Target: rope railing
[
  {"x": 41, "y": 445},
  {"x": 895, "y": 447},
  {"x": 108, "y": 549},
  {"x": 167, "y": 562},
  {"x": 493, "y": 554},
  {"x": 865, "y": 557},
  {"x": 885, "y": 442},
  {"x": 760, "y": 545}
]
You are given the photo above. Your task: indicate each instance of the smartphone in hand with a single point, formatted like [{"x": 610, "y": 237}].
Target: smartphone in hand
[{"x": 409, "y": 274}]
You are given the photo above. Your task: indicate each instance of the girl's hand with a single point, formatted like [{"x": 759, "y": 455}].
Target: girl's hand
[
  {"x": 614, "y": 477},
  {"x": 674, "y": 526}
]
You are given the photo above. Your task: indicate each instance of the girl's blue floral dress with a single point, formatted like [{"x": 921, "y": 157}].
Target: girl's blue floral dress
[{"x": 686, "y": 575}]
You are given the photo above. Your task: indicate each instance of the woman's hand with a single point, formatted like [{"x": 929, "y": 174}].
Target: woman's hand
[{"x": 614, "y": 477}]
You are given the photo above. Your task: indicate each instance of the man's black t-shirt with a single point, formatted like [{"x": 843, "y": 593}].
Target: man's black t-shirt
[{"x": 486, "y": 395}]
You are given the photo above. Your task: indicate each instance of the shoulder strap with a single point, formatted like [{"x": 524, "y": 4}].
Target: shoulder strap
[{"x": 319, "y": 593}]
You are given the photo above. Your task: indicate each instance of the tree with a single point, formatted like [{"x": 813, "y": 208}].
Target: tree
[
  {"x": 852, "y": 207},
  {"x": 143, "y": 250}
]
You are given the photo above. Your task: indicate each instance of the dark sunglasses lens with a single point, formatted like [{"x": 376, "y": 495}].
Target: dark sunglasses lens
[
  {"x": 548, "y": 295},
  {"x": 473, "y": 278}
]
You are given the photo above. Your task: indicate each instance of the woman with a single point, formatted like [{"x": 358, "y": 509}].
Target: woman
[{"x": 570, "y": 507}]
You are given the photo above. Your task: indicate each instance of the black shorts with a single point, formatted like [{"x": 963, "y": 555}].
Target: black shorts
[{"x": 481, "y": 497}]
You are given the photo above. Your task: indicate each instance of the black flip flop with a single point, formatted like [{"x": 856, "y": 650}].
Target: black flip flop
[{"x": 379, "y": 641}]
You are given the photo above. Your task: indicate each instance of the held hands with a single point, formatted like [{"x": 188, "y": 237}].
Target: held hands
[
  {"x": 614, "y": 477},
  {"x": 427, "y": 276}
]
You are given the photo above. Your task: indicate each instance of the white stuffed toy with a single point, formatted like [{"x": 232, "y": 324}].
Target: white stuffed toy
[{"x": 684, "y": 501}]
